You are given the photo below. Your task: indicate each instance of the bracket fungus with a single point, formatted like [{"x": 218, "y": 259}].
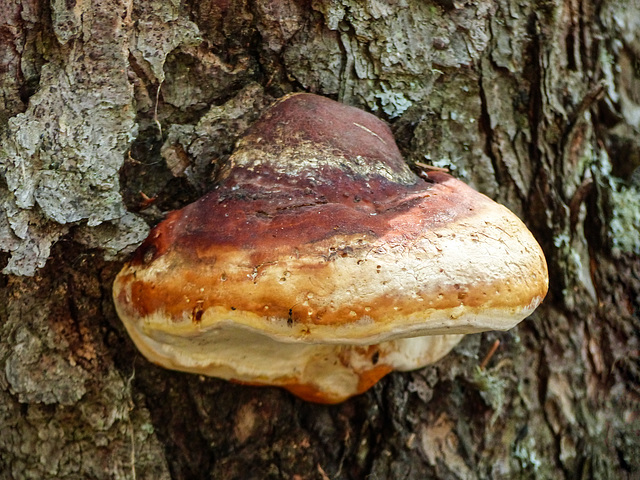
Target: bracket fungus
[{"x": 320, "y": 262}]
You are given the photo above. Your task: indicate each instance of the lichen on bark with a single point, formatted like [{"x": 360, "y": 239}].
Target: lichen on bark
[
  {"x": 390, "y": 56},
  {"x": 60, "y": 158}
]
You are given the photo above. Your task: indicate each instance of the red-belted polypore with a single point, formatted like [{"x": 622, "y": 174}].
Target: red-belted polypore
[{"x": 320, "y": 262}]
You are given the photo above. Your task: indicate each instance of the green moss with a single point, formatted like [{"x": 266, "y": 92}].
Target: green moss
[
  {"x": 491, "y": 388},
  {"x": 624, "y": 226},
  {"x": 623, "y": 202},
  {"x": 392, "y": 102},
  {"x": 562, "y": 242},
  {"x": 527, "y": 455},
  {"x": 147, "y": 428}
]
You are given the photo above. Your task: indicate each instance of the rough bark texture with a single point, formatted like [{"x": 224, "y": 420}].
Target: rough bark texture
[{"x": 537, "y": 104}]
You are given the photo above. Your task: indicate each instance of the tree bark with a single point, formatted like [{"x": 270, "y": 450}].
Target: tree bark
[{"x": 114, "y": 112}]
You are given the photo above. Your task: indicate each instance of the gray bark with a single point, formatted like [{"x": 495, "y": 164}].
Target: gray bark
[{"x": 536, "y": 104}]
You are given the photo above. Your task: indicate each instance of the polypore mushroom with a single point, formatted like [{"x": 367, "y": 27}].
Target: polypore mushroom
[{"x": 320, "y": 262}]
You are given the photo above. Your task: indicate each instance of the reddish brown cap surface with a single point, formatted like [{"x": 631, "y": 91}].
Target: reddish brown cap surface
[{"x": 317, "y": 253}]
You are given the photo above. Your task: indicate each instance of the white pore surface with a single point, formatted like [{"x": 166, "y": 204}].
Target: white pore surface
[{"x": 239, "y": 354}]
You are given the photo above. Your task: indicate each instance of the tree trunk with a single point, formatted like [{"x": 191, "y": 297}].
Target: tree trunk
[{"x": 114, "y": 112}]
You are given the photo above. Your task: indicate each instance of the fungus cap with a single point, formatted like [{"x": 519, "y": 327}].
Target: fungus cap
[{"x": 320, "y": 262}]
